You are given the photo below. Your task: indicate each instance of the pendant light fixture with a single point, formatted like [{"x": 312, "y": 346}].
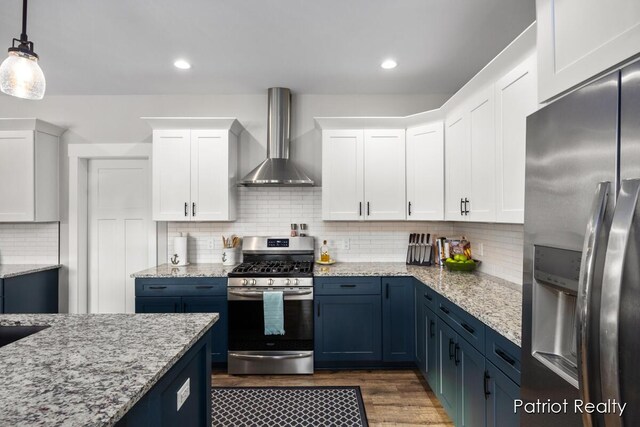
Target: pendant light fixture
[{"x": 20, "y": 74}]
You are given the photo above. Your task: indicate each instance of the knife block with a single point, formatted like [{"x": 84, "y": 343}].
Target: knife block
[{"x": 417, "y": 249}]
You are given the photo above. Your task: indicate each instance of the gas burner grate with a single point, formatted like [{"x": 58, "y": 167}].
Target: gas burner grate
[{"x": 274, "y": 267}]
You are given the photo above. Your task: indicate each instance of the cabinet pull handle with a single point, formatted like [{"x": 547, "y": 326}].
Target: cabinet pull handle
[
  {"x": 468, "y": 328},
  {"x": 429, "y": 297},
  {"x": 461, "y": 210},
  {"x": 451, "y": 343},
  {"x": 409, "y": 208},
  {"x": 466, "y": 207},
  {"x": 445, "y": 309},
  {"x": 360, "y": 209},
  {"x": 457, "y": 357},
  {"x": 387, "y": 291},
  {"x": 347, "y": 286},
  {"x": 432, "y": 324},
  {"x": 157, "y": 287},
  {"x": 318, "y": 309},
  {"x": 506, "y": 357},
  {"x": 193, "y": 209},
  {"x": 368, "y": 210},
  {"x": 186, "y": 209},
  {"x": 204, "y": 286},
  {"x": 487, "y": 377}
]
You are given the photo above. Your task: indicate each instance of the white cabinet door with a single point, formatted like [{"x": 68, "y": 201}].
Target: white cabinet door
[
  {"x": 17, "y": 186},
  {"x": 425, "y": 172},
  {"x": 384, "y": 174},
  {"x": 482, "y": 152},
  {"x": 209, "y": 175},
  {"x": 342, "y": 175},
  {"x": 171, "y": 175},
  {"x": 516, "y": 98},
  {"x": 456, "y": 165},
  {"x": 578, "y": 39}
]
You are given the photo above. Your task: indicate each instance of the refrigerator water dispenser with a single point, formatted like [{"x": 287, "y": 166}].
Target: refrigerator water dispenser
[{"x": 555, "y": 287}]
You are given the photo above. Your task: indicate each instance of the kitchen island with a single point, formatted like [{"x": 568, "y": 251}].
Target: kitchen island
[{"x": 106, "y": 369}]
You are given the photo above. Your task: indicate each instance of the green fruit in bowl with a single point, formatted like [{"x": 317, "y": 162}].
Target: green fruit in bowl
[
  {"x": 449, "y": 259},
  {"x": 469, "y": 261}
]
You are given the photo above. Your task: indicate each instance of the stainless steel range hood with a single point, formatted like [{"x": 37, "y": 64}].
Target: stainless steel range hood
[{"x": 277, "y": 170}]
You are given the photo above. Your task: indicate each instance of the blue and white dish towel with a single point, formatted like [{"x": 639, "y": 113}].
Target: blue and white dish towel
[{"x": 273, "y": 302}]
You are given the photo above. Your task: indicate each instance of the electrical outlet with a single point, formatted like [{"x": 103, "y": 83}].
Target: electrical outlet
[
  {"x": 345, "y": 244},
  {"x": 481, "y": 249},
  {"x": 183, "y": 393},
  {"x": 210, "y": 243}
]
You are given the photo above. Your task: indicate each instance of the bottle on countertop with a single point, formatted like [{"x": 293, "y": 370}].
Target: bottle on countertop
[{"x": 324, "y": 252}]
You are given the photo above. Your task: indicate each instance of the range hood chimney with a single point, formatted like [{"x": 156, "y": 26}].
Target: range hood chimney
[{"x": 277, "y": 170}]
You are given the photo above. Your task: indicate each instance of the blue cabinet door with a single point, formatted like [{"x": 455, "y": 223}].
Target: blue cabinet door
[
  {"x": 503, "y": 391},
  {"x": 471, "y": 397},
  {"x": 158, "y": 305},
  {"x": 398, "y": 319},
  {"x": 219, "y": 332},
  {"x": 421, "y": 331},
  {"x": 430, "y": 322},
  {"x": 348, "y": 328},
  {"x": 447, "y": 390}
]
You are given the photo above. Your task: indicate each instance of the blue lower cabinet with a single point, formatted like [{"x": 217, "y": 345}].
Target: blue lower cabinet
[
  {"x": 471, "y": 397},
  {"x": 398, "y": 336},
  {"x": 348, "y": 328},
  {"x": 219, "y": 332},
  {"x": 447, "y": 390},
  {"x": 30, "y": 293},
  {"x": 430, "y": 321},
  {"x": 502, "y": 391},
  {"x": 158, "y": 304},
  {"x": 421, "y": 332}
]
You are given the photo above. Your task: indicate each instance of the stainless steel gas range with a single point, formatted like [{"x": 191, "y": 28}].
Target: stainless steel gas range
[{"x": 272, "y": 264}]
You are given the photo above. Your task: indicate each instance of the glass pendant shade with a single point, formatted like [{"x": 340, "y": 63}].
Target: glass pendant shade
[{"x": 21, "y": 76}]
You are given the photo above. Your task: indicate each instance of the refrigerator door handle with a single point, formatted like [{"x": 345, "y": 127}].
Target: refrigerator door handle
[
  {"x": 585, "y": 285},
  {"x": 615, "y": 259}
]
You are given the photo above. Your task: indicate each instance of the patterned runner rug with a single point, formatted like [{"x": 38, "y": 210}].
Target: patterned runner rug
[{"x": 288, "y": 406}]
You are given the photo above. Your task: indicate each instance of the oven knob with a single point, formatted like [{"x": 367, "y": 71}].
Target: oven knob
[
  {"x": 253, "y": 282},
  {"x": 244, "y": 282},
  {"x": 270, "y": 282},
  {"x": 287, "y": 282},
  {"x": 295, "y": 282}
]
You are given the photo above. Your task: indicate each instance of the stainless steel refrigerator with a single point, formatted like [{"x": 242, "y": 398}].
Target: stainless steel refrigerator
[{"x": 581, "y": 299}]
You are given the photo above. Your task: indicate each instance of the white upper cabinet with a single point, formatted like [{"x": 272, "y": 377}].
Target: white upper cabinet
[
  {"x": 516, "y": 98},
  {"x": 29, "y": 177},
  {"x": 480, "y": 194},
  {"x": 384, "y": 174},
  {"x": 194, "y": 169},
  {"x": 425, "y": 172},
  {"x": 457, "y": 165},
  {"x": 342, "y": 175},
  {"x": 579, "y": 39},
  {"x": 363, "y": 175}
]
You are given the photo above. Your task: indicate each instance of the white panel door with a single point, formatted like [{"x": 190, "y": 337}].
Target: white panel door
[
  {"x": 456, "y": 165},
  {"x": 482, "y": 153},
  {"x": 342, "y": 175},
  {"x": 17, "y": 186},
  {"x": 516, "y": 98},
  {"x": 209, "y": 175},
  {"x": 425, "y": 172},
  {"x": 120, "y": 229},
  {"x": 171, "y": 175},
  {"x": 384, "y": 174},
  {"x": 578, "y": 39}
]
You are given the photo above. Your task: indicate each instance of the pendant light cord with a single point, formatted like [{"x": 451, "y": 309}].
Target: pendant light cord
[{"x": 23, "y": 36}]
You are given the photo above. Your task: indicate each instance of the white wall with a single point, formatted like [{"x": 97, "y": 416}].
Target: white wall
[{"x": 106, "y": 119}]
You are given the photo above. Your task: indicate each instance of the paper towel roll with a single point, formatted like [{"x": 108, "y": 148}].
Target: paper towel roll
[{"x": 179, "y": 251}]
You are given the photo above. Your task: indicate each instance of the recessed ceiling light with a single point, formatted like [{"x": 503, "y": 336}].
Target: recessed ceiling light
[
  {"x": 389, "y": 64},
  {"x": 182, "y": 64}
]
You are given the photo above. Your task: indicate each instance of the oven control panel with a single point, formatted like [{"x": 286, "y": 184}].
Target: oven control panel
[
  {"x": 270, "y": 282},
  {"x": 277, "y": 243}
]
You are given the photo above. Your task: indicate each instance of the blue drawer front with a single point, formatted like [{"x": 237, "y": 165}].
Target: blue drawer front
[
  {"x": 427, "y": 295},
  {"x": 181, "y": 286},
  {"x": 504, "y": 354},
  {"x": 467, "y": 326},
  {"x": 347, "y": 286}
]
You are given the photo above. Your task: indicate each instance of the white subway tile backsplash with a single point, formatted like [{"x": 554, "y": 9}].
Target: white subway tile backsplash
[
  {"x": 270, "y": 211},
  {"x": 29, "y": 243}
]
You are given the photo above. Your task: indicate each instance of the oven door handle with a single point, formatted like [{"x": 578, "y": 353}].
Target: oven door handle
[
  {"x": 260, "y": 293},
  {"x": 270, "y": 357}
]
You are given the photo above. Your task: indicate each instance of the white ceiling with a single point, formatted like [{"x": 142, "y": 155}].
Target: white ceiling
[{"x": 246, "y": 46}]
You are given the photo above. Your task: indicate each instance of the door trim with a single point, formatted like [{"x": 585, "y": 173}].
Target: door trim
[{"x": 76, "y": 273}]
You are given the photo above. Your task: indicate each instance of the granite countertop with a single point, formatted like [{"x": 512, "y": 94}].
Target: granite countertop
[
  {"x": 89, "y": 369},
  {"x": 191, "y": 270},
  {"x": 12, "y": 270},
  {"x": 496, "y": 302}
]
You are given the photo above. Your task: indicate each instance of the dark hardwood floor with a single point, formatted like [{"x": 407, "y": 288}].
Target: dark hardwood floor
[{"x": 391, "y": 397}]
